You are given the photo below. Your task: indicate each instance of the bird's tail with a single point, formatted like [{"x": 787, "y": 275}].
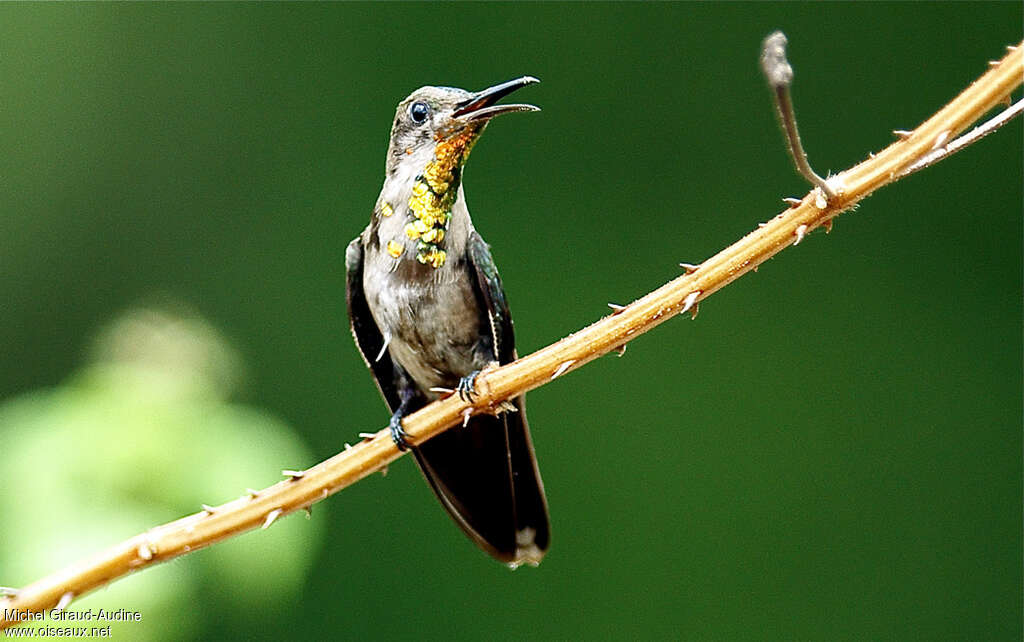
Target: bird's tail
[{"x": 485, "y": 473}]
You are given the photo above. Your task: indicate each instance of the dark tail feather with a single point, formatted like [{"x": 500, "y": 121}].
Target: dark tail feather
[{"x": 485, "y": 474}]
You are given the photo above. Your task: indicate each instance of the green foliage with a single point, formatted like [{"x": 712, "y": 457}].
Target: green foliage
[{"x": 139, "y": 437}]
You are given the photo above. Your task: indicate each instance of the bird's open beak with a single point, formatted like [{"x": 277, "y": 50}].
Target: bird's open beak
[{"x": 480, "y": 106}]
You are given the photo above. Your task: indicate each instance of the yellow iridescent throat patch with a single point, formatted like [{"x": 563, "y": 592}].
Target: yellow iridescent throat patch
[{"x": 433, "y": 196}]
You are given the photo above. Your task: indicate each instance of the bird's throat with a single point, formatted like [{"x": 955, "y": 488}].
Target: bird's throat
[{"x": 433, "y": 196}]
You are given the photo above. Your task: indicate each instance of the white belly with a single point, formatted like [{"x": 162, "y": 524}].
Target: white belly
[{"x": 433, "y": 328}]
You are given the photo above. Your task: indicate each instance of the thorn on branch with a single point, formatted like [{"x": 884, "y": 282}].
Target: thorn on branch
[
  {"x": 271, "y": 518},
  {"x": 64, "y": 601},
  {"x": 466, "y": 414},
  {"x": 689, "y": 301},
  {"x": 800, "y": 233},
  {"x": 145, "y": 552},
  {"x": 779, "y": 74},
  {"x": 616, "y": 308},
  {"x": 367, "y": 436},
  {"x": 902, "y": 134},
  {"x": 209, "y": 510},
  {"x": 441, "y": 391},
  {"x": 253, "y": 494},
  {"x": 621, "y": 350},
  {"x": 562, "y": 368},
  {"x": 294, "y": 474},
  {"x": 820, "y": 201},
  {"x": 828, "y": 225},
  {"x": 792, "y": 202},
  {"x": 8, "y": 591},
  {"x": 690, "y": 267}
]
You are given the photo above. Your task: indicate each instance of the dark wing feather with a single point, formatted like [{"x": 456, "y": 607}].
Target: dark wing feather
[
  {"x": 492, "y": 297},
  {"x": 486, "y": 473},
  {"x": 368, "y": 338}
]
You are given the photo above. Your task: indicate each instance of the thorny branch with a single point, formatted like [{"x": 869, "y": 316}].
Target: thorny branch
[{"x": 259, "y": 509}]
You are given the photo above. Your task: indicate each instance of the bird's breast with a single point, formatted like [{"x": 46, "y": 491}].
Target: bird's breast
[{"x": 432, "y": 326}]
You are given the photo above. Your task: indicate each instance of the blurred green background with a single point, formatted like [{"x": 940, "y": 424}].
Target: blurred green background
[{"x": 831, "y": 451}]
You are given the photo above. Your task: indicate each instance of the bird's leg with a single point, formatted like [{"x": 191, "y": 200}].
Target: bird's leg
[
  {"x": 398, "y": 434},
  {"x": 467, "y": 385}
]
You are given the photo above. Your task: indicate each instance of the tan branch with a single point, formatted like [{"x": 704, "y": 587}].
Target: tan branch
[{"x": 304, "y": 488}]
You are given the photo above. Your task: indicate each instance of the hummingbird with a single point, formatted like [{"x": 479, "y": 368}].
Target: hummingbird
[{"x": 428, "y": 312}]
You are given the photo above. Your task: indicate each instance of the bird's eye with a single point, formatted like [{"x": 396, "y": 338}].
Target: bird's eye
[{"x": 419, "y": 112}]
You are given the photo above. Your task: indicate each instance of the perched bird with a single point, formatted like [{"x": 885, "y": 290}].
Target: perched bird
[{"x": 428, "y": 312}]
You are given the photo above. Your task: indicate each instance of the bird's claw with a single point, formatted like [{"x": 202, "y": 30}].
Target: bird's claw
[
  {"x": 398, "y": 434},
  {"x": 467, "y": 387}
]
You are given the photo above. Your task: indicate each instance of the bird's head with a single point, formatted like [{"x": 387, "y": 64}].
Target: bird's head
[
  {"x": 434, "y": 130},
  {"x": 439, "y": 125}
]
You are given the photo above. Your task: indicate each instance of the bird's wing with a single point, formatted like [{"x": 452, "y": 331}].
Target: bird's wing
[
  {"x": 485, "y": 473},
  {"x": 492, "y": 296},
  {"x": 368, "y": 337}
]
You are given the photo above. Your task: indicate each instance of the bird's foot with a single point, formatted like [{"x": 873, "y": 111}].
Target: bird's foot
[
  {"x": 398, "y": 434},
  {"x": 467, "y": 387}
]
